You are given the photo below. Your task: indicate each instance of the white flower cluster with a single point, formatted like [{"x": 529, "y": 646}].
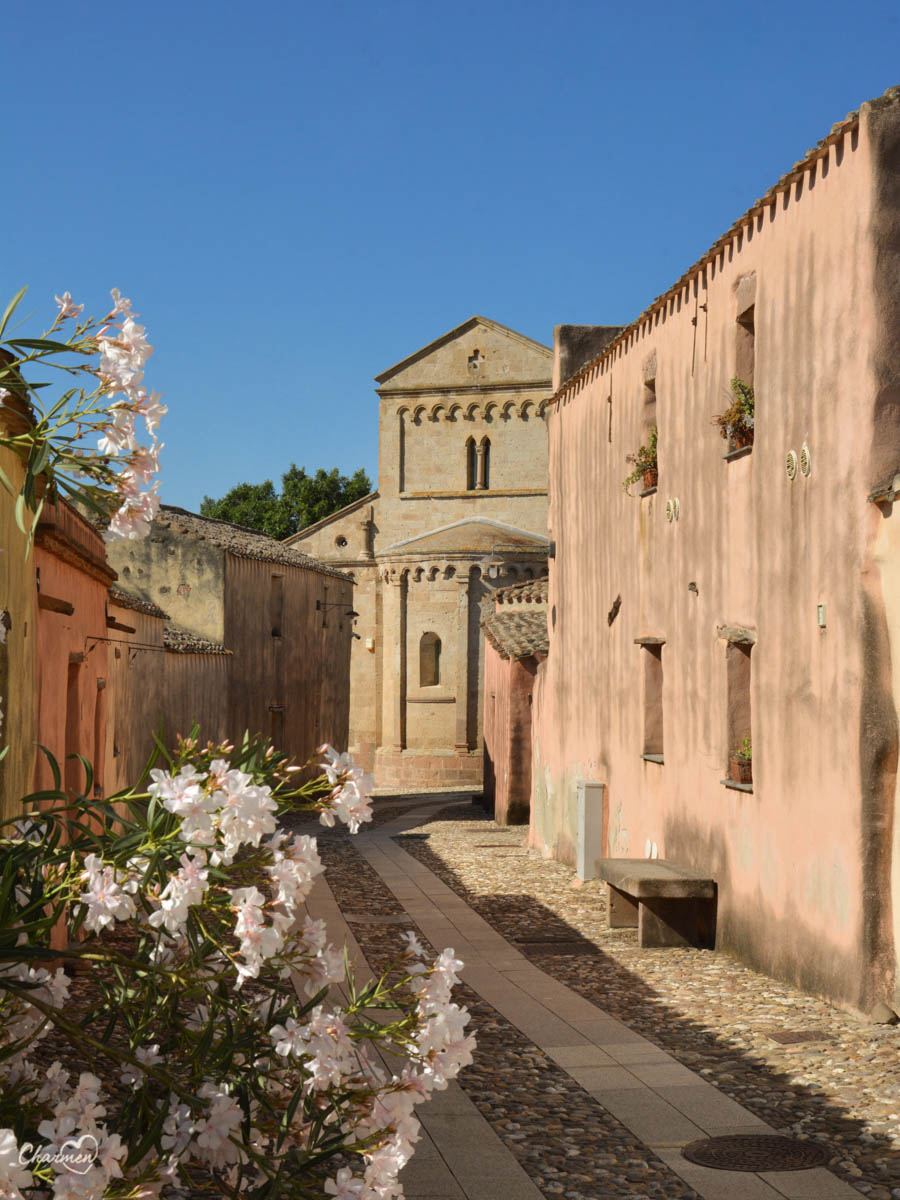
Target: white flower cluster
[
  {"x": 319, "y": 1066},
  {"x": 124, "y": 351},
  {"x": 332, "y": 1059},
  {"x": 86, "y": 1157},
  {"x": 351, "y": 797},
  {"x": 23, "y": 1023},
  {"x": 109, "y": 896}
]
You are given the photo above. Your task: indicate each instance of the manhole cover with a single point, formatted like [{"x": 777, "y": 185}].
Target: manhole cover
[
  {"x": 788, "y": 1037},
  {"x": 755, "y": 1152}
]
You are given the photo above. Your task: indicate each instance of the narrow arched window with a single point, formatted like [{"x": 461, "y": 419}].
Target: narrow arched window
[
  {"x": 485, "y": 481},
  {"x": 429, "y": 660},
  {"x": 471, "y": 465}
]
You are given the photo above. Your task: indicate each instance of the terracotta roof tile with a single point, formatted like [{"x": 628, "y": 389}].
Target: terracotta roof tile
[
  {"x": 179, "y": 641},
  {"x": 124, "y": 599},
  {"x": 518, "y": 634},
  {"x": 238, "y": 540},
  {"x": 532, "y": 591}
]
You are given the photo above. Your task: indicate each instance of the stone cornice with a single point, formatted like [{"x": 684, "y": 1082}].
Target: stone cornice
[
  {"x": 473, "y": 494},
  {"x": 522, "y": 385}
]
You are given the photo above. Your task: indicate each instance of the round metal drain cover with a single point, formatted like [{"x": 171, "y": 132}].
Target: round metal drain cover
[{"x": 756, "y": 1152}]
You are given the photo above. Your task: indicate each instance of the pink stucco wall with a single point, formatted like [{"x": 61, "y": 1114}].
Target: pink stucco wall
[
  {"x": 803, "y": 862},
  {"x": 508, "y": 685}
]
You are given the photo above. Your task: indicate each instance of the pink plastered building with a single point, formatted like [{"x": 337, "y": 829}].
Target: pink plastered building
[{"x": 752, "y": 592}]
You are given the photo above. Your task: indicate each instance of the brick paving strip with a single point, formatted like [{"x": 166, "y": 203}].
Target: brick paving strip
[{"x": 600, "y": 1111}]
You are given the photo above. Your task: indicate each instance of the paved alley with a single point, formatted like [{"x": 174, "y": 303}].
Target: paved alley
[{"x": 564, "y": 1098}]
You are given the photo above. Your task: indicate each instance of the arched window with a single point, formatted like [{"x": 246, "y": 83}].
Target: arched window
[
  {"x": 429, "y": 660},
  {"x": 486, "y": 462},
  {"x": 471, "y": 465}
]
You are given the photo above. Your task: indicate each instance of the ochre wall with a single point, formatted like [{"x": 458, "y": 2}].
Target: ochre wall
[
  {"x": 17, "y": 653},
  {"x": 183, "y": 575},
  {"x": 800, "y": 872}
]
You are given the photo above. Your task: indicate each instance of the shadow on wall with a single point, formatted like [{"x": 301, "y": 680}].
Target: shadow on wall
[
  {"x": 789, "y": 950},
  {"x": 565, "y": 954}
]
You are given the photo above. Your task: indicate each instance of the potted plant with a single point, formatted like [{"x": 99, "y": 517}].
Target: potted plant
[
  {"x": 736, "y": 422},
  {"x": 740, "y": 765},
  {"x": 644, "y": 463}
]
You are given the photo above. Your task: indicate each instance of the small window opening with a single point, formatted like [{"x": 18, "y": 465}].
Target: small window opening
[
  {"x": 649, "y": 415},
  {"x": 99, "y": 758},
  {"x": 74, "y": 772},
  {"x": 471, "y": 465},
  {"x": 340, "y": 542},
  {"x": 745, "y": 346},
  {"x": 475, "y": 360},
  {"x": 740, "y": 732},
  {"x": 485, "y": 479},
  {"x": 276, "y": 725},
  {"x": 429, "y": 660},
  {"x": 276, "y": 604},
  {"x": 653, "y": 700}
]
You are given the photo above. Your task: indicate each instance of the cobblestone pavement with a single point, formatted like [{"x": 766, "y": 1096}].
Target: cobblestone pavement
[
  {"x": 565, "y": 1140},
  {"x": 840, "y": 1087},
  {"x": 568, "y": 1143}
]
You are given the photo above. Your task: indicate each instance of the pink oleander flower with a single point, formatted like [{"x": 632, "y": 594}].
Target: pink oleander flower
[
  {"x": 121, "y": 304},
  {"x": 66, "y": 307}
]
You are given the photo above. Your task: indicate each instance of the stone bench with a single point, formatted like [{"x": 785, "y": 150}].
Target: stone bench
[{"x": 669, "y": 905}]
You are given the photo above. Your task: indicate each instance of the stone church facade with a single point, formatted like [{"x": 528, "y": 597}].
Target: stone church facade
[{"x": 460, "y": 509}]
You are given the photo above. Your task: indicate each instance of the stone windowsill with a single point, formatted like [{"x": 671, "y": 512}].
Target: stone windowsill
[
  {"x": 741, "y": 452},
  {"x": 653, "y": 758},
  {"x": 647, "y": 492},
  {"x": 736, "y": 787},
  {"x": 443, "y": 698}
]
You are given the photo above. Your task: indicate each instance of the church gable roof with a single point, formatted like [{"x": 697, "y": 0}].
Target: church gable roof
[
  {"x": 479, "y": 353},
  {"x": 476, "y": 535}
]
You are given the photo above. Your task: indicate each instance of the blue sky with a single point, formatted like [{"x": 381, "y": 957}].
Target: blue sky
[{"x": 295, "y": 196}]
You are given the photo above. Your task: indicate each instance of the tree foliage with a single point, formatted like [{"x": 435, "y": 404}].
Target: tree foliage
[{"x": 303, "y": 500}]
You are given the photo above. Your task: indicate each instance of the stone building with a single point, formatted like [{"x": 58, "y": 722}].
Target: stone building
[
  {"x": 461, "y": 506},
  {"x": 257, "y": 636},
  {"x": 750, "y": 593}
]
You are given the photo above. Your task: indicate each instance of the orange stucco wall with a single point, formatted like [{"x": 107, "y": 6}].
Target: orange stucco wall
[
  {"x": 71, "y": 655},
  {"x": 803, "y": 862}
]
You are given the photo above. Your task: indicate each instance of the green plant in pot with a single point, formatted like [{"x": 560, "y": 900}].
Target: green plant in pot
[
  {"x": 736, "y": 422},
  {"x": 644, "y": 463},
  {"x": 740, "y": 765}
]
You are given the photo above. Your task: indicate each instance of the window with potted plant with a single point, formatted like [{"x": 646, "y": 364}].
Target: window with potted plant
[
  {"x": 740, "y": 764},
  {"x": 736, "y": 422},
  {"x": 644, "y": 463}
]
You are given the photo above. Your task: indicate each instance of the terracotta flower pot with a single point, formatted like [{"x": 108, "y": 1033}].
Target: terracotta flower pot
[
  {"x": 740, "y": 770},
  {"x": 741, "y": 436},
  {"x": 651, "y": 478}
]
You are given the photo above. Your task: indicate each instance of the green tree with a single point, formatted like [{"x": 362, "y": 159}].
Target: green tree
[{"x": 303, "y": 499}]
